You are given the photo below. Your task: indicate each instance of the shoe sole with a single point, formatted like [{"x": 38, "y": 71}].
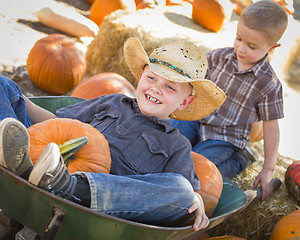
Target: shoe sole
[
  {"x": 14, "y": 142},
  {"x": 46, "y": 162}
]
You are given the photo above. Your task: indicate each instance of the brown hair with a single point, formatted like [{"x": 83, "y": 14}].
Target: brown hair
[{"x": 266, "y": 16}]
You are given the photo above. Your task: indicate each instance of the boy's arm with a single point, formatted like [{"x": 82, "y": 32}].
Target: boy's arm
[
  {"x": 201, "y": 220},
  {"x": 271, "y": 143},
  {"x": 36, "y": 113}
]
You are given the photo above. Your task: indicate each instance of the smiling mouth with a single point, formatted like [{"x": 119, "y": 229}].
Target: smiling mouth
[{"x": 152, "y": 99}]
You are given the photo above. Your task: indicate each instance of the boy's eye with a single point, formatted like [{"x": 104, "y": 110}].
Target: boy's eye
[
  {"x": 171, "y": 88},
  {"x": 238, "y": 38},
  {"x": 151, "y": 78},
  {"x": 251, "y": 47}
]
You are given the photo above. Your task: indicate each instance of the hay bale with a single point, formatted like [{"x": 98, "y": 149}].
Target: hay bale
[
  {"x": 258, "y": 220},
  {"x": 153, "y": 27}
]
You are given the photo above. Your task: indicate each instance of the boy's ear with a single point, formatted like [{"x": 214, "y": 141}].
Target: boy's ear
[
  {"x": 186, "y": 102},
  {"x": 274, "y": 46}
]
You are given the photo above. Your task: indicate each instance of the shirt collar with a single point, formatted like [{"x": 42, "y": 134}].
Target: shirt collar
[
  {"x": 258, "y": 70},
  {"x": 165, "y": 124}
]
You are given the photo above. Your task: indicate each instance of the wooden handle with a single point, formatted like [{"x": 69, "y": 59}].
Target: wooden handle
[{"x": 253, "y": 195}]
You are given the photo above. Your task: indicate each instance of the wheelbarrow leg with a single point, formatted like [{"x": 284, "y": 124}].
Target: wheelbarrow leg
[{"x": 54, "y": 224}]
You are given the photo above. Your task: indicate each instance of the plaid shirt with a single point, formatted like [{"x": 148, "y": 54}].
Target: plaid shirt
[{"x": 252, "y": 95}]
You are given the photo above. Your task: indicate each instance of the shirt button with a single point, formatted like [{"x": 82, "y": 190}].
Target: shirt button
[
  {"x": 139, "y": 118},
  {"x": 127, "y": 125},
  {"x": 154, "y": 147}
]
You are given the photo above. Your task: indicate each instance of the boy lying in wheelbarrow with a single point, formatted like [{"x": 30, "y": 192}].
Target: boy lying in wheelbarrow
[{"x": 152, "y": 176}]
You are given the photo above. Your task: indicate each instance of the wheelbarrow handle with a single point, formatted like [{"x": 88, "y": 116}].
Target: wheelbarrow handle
[{"x": 253, "y": 195}]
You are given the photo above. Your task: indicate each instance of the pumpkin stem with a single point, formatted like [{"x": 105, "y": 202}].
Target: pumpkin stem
[{"x": 70, "y": 147}]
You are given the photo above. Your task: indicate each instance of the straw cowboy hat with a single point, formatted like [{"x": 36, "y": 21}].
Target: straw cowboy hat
[{"x": 180, "y": 61}]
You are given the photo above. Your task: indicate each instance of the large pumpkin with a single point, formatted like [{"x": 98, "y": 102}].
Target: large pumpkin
[
  {"x": 55, "y": 64},
  {"x": 102, "y": 8},
  {"x": 93, "y": 157},
  {"x": 209, "y": 14},
  {"x": 103, "y": 83},
  {"x": 292, "y": 180},
  {"x": 287, "y": 227},
  {"x": 211, "y": 182}
]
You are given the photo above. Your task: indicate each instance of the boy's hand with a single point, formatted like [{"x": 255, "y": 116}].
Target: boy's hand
[
  {"x": 265, "y": 177},
  {"x": 201, "y": 220}
]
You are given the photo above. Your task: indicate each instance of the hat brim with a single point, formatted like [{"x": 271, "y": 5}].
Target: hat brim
[{"x": 208, "y": 96}]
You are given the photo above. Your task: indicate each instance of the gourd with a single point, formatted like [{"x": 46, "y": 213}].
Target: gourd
[
  {"x": 103, "y": 83},
  {"x": 211, "y": 182},
  {"x": 92, "y": 157},
  {"x": 292, "y": 180},
  {"x": 102, "y": 8},
  {"x": 55, "y": 64},
  {"x": 209, "y": 14},
  {"x": 67, "y": 20},
  {"x": 256, "y": 133},
  {"x": 288, "y": 227}
]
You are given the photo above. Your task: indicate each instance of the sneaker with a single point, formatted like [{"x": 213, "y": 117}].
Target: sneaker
[
  {"x": 14, "y": 147},
  {"x": 248, "y": 153},
  {"x": 49, "y": 173}
]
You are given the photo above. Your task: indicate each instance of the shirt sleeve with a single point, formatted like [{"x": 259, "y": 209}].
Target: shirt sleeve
[{"x": 271, "y": 107}]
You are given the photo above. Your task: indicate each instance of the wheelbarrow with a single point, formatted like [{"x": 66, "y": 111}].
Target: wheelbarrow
[{"x": 52, "y": 217}]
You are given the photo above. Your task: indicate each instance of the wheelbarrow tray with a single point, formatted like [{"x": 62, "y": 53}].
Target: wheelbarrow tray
[
  {"x": 36, "y": 208},
  {"x": 54, "y": 217}
]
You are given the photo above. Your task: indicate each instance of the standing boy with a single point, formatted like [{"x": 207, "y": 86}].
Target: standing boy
[{"x": 253, "y": 92}]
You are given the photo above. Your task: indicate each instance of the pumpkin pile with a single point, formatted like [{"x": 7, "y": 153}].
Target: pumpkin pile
[
  {"x": 92, "y": 157},
  {"x": 55, "y": 64}
]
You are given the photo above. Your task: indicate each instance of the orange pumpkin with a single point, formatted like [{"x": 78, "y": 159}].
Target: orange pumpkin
[
  {"x": 55, "y": 64},
  {"x": 209, "y": 14},
  {"x": 211, "y": 182},
  {"x": 93, "y": 157},
  {"x": 102, "y": 8},
  {"x": 257, "y": 132},
  {"x": 288, "y": 227},
  {"x": 103, "y": 83},
  {"x": 142, "y": 4}
]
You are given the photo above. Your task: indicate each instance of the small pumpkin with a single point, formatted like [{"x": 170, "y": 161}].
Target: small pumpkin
[
  {"x": 211, "y": 182},
  {"x": 92, "y": 157},
  {"x": 257, "y": 132},
  {"x": 55, "y": 64},
  {"x": 209, "y": 14},
  {"x": 292, "y": 180},
  {"x": 103, "y": 83},
  {"x": 142, "y": 4},
  {"x": 102, "y": 8},
  {"x": 288, "y": 227}
]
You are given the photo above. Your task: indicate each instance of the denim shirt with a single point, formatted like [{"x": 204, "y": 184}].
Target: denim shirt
[{"x": 139, "y": 144}]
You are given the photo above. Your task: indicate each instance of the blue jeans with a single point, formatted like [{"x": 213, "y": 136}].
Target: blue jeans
[
  {"x": 223, "y": 154},
  {"x": 157, "y": 198},
  {"x": 12, "y": 103}
]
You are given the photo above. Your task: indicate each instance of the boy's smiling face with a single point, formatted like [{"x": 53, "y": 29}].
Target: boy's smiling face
[
  {"x": 250, "y": 46},
  {"x": 157, "y": 96}
]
